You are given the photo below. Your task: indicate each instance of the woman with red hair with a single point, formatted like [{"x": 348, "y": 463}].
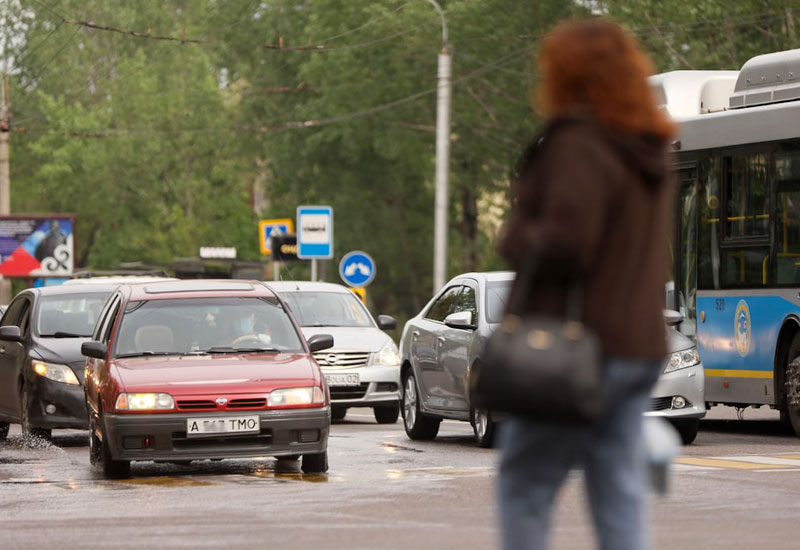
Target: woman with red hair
[{"x": 592, "y": 202}]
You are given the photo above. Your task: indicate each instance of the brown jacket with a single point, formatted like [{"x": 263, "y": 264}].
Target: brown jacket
[{"x": 596, "y": 205}]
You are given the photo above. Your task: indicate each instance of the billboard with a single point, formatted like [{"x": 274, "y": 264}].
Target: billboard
[{"x": 36, "y": 245}]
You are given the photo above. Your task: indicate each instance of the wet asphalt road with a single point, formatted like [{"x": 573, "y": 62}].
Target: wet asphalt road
[{"x": 736, "y": 487}]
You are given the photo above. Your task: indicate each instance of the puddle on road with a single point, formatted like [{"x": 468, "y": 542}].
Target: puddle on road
[
  {"x": 439, "y": 472},
  {"x": 165, "y": 482},
  {"x": 394, "y": 447}
]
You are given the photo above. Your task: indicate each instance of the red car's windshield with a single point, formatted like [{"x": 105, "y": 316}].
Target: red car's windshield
[{"x": 205, "y": 325}]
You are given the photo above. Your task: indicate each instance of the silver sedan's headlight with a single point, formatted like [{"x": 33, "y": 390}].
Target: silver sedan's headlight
[
  {"x": 682, "y": 359},
  {"x": 387, "y": 356},
  {"x": 56, "y": 372}
]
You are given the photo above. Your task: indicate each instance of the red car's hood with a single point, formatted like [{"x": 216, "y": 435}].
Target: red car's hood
[{"x": 230, "y": 374}]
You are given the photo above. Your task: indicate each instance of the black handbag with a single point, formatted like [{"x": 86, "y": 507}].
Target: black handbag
[{"x": 538, "y": 366}]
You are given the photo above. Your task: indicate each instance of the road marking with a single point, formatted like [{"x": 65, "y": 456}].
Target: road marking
[{"x": 763, "y": 463}]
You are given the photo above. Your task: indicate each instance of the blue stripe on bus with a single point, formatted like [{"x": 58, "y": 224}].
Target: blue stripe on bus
[{"x": 717, "y": 335}]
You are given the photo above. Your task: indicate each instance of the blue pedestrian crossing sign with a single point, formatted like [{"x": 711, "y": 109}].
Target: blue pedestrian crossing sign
[
  {"x": 270, "y": 228},
  {"x": 357, "y": 269}
]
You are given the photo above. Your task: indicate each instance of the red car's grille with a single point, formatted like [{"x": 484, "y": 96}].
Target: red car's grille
[
  {"x": 253, "y": 403},
  {"x": 195, "y": 404},
  {"x": 208, "y": 404}
]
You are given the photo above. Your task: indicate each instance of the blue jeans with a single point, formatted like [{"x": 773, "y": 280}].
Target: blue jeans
[{"x": 537, "y": 456}]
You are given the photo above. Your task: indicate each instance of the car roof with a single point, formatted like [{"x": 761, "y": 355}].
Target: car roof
[
  {"x": 197, "y": 288},
  {"x": 116, "y": 279},
  {"x": 74, "y": 289},
  {"x": 489, "y": 276},
  {"x": 307, "y": 286}
]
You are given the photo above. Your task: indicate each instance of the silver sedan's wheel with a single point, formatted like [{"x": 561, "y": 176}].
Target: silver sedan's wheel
[
  {"x": 417, "y": 425},
  {"x": 483, "y": 427}
]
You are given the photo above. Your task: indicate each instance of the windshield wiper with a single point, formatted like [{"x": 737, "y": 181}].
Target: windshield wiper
[
  {"x": 147, "y": 353},
  {"x": 60, "y": 334},
  {"x": 230, "y": 349}
]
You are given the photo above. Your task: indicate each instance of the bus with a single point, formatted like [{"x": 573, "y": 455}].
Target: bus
[{"x": 736, "y": 248}]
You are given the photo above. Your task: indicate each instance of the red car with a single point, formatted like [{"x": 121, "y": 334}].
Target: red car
[{"x": 187, "y": 370}]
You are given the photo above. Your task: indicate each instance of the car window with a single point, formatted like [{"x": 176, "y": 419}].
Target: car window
[
  {"x": 328, "y": 309},
  {"x": 100, "y": 326},
  {"x": 444, "y": 305},
  {"x": 497, "y": 293},
  {"x": 69, "y": 314},
  {"x": 24, "y": 318},
  {"x": 13, "y": 312},
  {"x": 109, "y": 326},
  {"x": 467, "y": 302},
  {"x": 205, "y": 325}
]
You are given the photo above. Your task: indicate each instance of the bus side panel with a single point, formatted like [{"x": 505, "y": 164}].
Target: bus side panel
[{"x": 737, "y": 334}]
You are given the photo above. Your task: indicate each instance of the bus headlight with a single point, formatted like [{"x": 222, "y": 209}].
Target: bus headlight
[{"x": 682, "y": 359}]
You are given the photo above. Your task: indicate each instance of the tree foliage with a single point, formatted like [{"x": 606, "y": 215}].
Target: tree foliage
[{"x": 166, "y": 126}]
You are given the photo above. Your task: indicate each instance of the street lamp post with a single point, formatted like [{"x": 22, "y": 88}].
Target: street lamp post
[{"x": 443, "y": 91}]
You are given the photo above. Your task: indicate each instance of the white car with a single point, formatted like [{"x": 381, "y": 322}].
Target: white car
[{"x": 363, "y": 367}]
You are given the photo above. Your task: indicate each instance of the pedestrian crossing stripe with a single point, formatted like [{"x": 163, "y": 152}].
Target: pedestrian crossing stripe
[{"x": 746, "y": 462}]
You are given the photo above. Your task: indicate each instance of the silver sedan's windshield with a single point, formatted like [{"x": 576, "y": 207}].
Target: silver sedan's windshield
[
  {"x": 327, "y": 309},
  {"x": 496, "y": 299},
  {"x": 205, "y": 325}
]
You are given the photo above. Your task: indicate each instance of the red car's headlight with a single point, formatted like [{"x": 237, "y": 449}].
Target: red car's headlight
[
  {"x": 296, "y": 396},
  {"x": 144, "y": 402}
]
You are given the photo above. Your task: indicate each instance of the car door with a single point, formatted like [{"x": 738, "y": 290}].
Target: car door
[
  {"x": 426, "y": 337},
  {"x": 102, "y": 333},
  {"x": 454, "y": 350},
  {"x": 13, "y": 357}
]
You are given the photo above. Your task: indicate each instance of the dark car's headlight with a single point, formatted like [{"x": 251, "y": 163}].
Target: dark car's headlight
[
  {"x": 682, "y": 359},
  {"x": 56, "y": 372}
]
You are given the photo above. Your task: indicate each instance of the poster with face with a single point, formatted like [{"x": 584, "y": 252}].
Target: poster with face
[{"x": 36, "y": 246}]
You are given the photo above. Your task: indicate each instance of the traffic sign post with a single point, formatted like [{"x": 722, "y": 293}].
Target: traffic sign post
[
  {"x": 314, "y": 235},
  {"x": 269, "y": 228},
  {"x": 357, "y": 269}
]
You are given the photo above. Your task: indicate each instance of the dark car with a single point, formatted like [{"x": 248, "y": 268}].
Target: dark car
[
  {"x": 190, "y": 370},
  {"x": 41, "y": 366}
]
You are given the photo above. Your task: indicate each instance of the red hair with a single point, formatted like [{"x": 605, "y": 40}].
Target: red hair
[{"x": 595, "y": 64}]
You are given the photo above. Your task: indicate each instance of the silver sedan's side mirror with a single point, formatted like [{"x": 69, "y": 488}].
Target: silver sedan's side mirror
[
  {"x": 460, "y": 319},
  {"x": 672, "y": 317}
]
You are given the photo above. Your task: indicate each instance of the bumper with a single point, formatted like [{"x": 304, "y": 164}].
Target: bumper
[
  {"x": 283, "y": 432},
  {"x": 687, "y": 383},
  {"x": 378, "y": 386},
  {"x": 68, "y": 400}
]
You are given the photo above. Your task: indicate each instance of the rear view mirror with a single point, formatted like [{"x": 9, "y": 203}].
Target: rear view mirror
[
  {"x": 319, "y": 342},
  {"x": 386, "y": 322},
  {"x": 672, "y": 317},
  {"x": 10, "y": 333},
  {"x": 95, "y": 349},
  {"x": 460, "y": 319}
]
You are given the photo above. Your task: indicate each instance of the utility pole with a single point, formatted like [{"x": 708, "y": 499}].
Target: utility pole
[
  {"x": 441, "y": 204},
  {"x": 5, "y": 172}
]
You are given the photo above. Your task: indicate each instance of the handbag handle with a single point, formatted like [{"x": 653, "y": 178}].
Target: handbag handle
[{"x": 524, "y": 282}]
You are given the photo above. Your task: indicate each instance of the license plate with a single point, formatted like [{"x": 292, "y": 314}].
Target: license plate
[
  {"x": 351, "y": 379},
  {"x": 229, "y": 424}
]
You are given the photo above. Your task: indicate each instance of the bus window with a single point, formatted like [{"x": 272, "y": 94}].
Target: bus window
[
  {"x": 787, "y": 216},
  {"x": 687, "y": 250},
  {"x": 709, "y": 215},
  {"x": 746, "y": 188}
]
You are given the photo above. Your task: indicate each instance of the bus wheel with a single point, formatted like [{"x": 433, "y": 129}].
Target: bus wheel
[{"x": 792, "y": 389}]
